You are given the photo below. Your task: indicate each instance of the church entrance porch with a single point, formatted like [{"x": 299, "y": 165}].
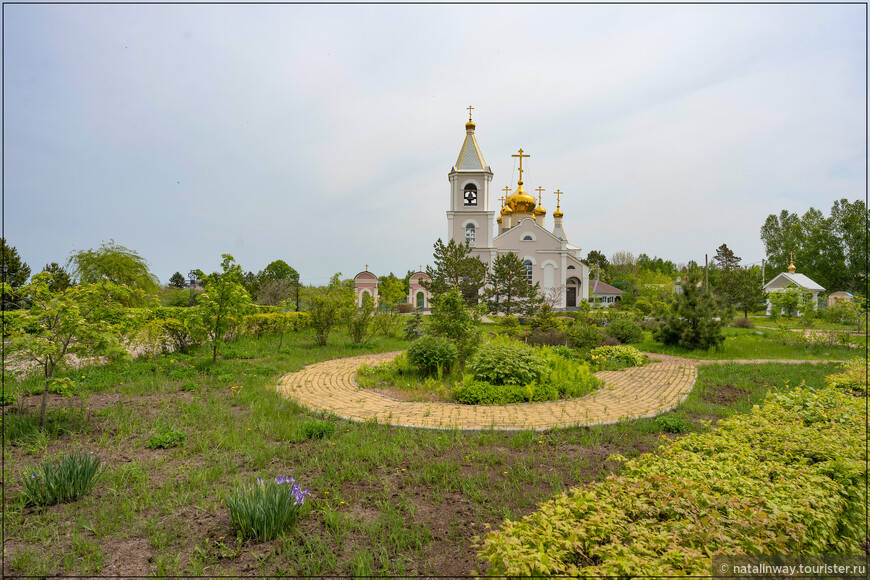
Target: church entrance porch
[{"x": 571, "y": 290}]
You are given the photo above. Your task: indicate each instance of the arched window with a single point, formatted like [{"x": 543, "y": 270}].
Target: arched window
[
  {"x": 469, "y": 195},
  {"x": 528, "y": 239},
  {"x": 470, "y": 233},
  {"x": 528, "y": 267},
  {"x": 420, "y": 300}
]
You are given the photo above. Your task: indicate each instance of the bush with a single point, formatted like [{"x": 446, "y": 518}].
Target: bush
[
  {"x": 694, "y": 322},
  {"x": 742, "y": 322},
  {"x": 625, "y": 331},
  {"x": 624, "y": 354},
  {"x": 474, "y": 392},
  {"x": 504, "y": 362},
  {"x": 452, "y": 320},
  {"x": 509, "y": 326},
  {"x": 317, "y": 429},
  {"x": 164, "y": 438},
  {"x": 431, "y": 353},
  {"x": 787, "y": 478},
  {"x": 62, "y": 480},
  {"x": 552, "y": 337},
  {"x": 643, "y": 306},
  {"x": 405, "y": 308},
  {"x": 263, "y": 510},
  {"x": 570, "y": 378},
  {"x": 583, "y": 335},
  {"x": 649, "y": 325},
  {"x": 853, "y": 378}
]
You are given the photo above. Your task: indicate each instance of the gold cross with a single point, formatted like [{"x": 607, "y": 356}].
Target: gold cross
[
  {"x": 469, "y": 113},
  {"x": 501, "y": 199},
  {"x": 421, "y": 267},
  {"x": 367, "y": 267},
  {"x": 521, "y": 164},
  {"x": 506, "y": 190},
  {"x": 558, "y": 193},
  {"x": 539, "y": 190}
]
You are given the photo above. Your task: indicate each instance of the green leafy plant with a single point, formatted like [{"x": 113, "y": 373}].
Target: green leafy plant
[
  {"x": 623, "y": 354},
  {"x": 673, "y": 424},
  {"x": 853, "y": 378},
  {"x": 789, "y": 477},
  {"x": 624, "y": 330},
  {"x": 165, "y": 437},
  {"x": 317, "y": 429},
  {"x": 223, "y": 305},
  {"x": 62, "y": 480},
  {"x": 585, "y": 335},
  {"x": 430, "y": 353},
  {"x": 452, "y": 320},
  {"x": 694, "y": 323},
  {"x": 507, "y": 362},
  {"x": 266, "y": 508}
]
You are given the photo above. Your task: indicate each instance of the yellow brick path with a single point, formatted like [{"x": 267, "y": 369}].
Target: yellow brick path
[{"x": 631, "y": 393}]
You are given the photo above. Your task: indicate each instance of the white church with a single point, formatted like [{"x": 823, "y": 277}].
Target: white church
[{"x": 520, "y": 227}]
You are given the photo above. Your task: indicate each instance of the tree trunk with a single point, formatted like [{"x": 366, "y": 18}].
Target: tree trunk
[
  {"x": 214, "y": 353},
  {"x": 49, "y": 372}
]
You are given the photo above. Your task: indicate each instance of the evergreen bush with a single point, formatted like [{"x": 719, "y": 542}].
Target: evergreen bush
[
  {"x": 584, "y": 335},
  {"x": 506, "y": 362},
  {"x": 693, "y": 322},
  {"x": 624, "y": 330}
]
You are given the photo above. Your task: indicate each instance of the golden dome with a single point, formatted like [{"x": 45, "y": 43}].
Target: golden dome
[
  {"x": 498, "y": 219},
  {"x": 469, "y": 125},
  {"x": 558, "y": 213},
  {"x": 520, "y": 201},
  {"x": 540, "y": 211},
  {"x": 506, "y": 211}
]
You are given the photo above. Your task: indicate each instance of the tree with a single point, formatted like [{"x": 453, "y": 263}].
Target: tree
[
  {"x": 727, "y": 281},
  {"x": 509, "y": 290},
  {"x": 15, "y": 273},
  {"x": 278, "y": 270},
  {"x": 117, "y": 264},
  {"x": 452, "y": 320},
  {"x": 391, "y": 292},
  {"x": 178, "y": 280},
  {"x": 597, "y": 261},
  {"x": 326, "y": 306},
  {"x": 455, "y": 268},
  {"x": 359, "y": 319},
  {"x": 60, "y": 280},
  {"x": 222, "y": 305},
  {"x": 830, "y": 250},
  {"x": 274, "y": 292},
  {"x": 84, "y": 320},
  {"x": 748, "y": 292},
  {"x": 692, "y": 322}
]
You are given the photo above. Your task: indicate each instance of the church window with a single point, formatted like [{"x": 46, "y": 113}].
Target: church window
[
  {"x": 469, "y": 196},
  {"x": 528, "y": 267},
  {"x": 528, "y": 239},
  {"x": 470, "y": 233}
]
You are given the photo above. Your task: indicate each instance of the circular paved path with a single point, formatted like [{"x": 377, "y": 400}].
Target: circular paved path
[{"x": 635, "y": 392}]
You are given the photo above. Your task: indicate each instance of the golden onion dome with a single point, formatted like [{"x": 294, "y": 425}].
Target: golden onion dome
[
  {"x": 520, "y": 201},
  {"x": 540, "y": 210},
  {"x": 506, "y": 211},
  {"x": 469, "y": 125},
  {"x": 558, "y": 213},
  {"x": 498, "y": 219}
]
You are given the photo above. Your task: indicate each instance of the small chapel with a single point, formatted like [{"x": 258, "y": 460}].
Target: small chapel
[{"x": 520, "y": 227}]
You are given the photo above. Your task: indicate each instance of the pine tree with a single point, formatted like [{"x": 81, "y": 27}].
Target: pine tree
[
  {"x": 509, "y": 290},
  {"x": 728, "y": 280},
  {"x": 178, "y": 280},
  {"x": 692, "y": 322},
  {"x": 455, "y": 268}
]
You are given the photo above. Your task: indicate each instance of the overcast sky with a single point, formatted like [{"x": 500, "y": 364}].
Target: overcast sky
[{"x": 323, "y": 135}]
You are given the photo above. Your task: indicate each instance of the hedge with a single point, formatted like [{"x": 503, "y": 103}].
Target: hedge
[{"x": 789, "y": 477}]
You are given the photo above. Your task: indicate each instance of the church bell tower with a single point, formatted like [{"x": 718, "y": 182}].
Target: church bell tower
[{"x": 470, "y": 216}]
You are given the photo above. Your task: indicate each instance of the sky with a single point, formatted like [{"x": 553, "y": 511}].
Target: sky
[{"x": 322, "y": 135}]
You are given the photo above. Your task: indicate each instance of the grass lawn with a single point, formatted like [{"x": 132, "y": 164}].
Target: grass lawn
[
  {"x": 795, "y": 322},
  {"x": 384, "y": 500},
  {"x": 756, "y": 343}
]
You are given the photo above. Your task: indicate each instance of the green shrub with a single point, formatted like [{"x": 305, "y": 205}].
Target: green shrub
[
  {"x": 506, "y": 362},
  {"x": 623, "y": 354},
  {"x": 165, "y": 438},
  {"x": 673, "y": 424},
  {"x": 643, "y": 306},
  {"x": 583, "y": 335},
  {"x": 853, "y": 378},
  {"x": 431, "y": 353},
  {"x": 509, "y": 326},
  {"x": 62, "y": 480},
  {"x": 551, "y": 337},
  {"x": 263, "y": 510},
  {"x": 317, "y": 429},
  {"x": 8, "y": 397},
  {"x": 625, "y": 331},
  {"x": 475, "y": 392},
  {"x": 787, "y": 478}
]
